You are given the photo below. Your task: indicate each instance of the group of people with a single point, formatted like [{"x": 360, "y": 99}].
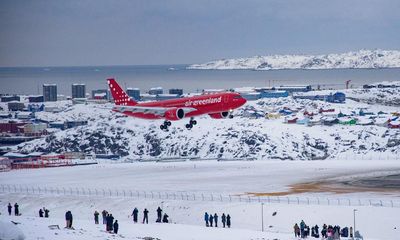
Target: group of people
[
  {"x": 213, "y": 219},
  {"x": 327, "y": 232},
  {"x": 160, "y": 216},
  {"x": 108, "y": 219},
  {"x": 45, "y": 211},
  {"x": 16, "y": 209}
]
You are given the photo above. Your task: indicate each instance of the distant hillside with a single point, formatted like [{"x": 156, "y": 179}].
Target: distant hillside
[{"x": 360, "y": 59}]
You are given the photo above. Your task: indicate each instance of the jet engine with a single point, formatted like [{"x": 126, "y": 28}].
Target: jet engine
[
  {"x": 174, "y": 114},
  {"x": 220, "y": 115}
]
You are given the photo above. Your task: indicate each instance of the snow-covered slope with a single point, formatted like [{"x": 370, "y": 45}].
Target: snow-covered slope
[
  {"x": 359, "y": 59},
  {"x": 241, "y": 137}
]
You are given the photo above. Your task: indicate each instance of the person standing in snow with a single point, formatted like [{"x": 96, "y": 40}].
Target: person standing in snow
[
  {"x": 159, "y": 213},
  {"x": 110, "y": 222},
  {"x": 135, "y": 215},
  {"x": 104, "y": 215},
  {"x": 40, "y": 213},
  {"x": 146, "y": 216},
  {"x": 210, "y": 219},
  {"x": 96, "y": 217},
  {"x": 302, "y": 226},
  {"x": 316, "y": 228},
  {"x": 68, "y": 219},
  {"x": 228, "y": 221},
  {"x": 296, "y": 229},
  {"x": 223, "y": 219},
  {"x": 46, "y": 213},
  {"x": 216, "y": 219},
  {"x": 16, "y": 209},
  {"x": 206, "y": 219},
  {"x": 9, "y": 207},
  {"x": 116, "y": 227}
]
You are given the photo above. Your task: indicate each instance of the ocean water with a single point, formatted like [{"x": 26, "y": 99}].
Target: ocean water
[{"x": 29, "y": 80}]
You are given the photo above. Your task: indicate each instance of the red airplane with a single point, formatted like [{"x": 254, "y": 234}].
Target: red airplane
[{"x": 217, "y": 106}]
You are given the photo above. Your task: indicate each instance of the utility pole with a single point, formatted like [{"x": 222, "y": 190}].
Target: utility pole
[
  {"x": 354, "y": 223},
  {"x": 262, "y": 217}
]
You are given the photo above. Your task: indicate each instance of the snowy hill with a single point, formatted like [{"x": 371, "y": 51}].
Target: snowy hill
[
  {"x": 241, "y": 137},
  {"x": 358, "y": 59}
]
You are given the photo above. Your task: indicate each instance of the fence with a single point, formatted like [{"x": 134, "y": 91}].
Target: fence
[{"x": 186, "y": 196}]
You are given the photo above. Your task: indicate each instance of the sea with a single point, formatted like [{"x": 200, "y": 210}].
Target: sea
[{"x": 29, "y": 80}]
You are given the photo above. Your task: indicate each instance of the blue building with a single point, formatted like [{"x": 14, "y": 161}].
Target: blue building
[
  {"x": 337, "y": 97},
  {"x": 133, "y": 93},
  {"x": 274, "y": 94}
]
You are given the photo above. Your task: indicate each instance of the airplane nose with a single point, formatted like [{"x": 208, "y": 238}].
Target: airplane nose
[{"x": 242, "y": 101}]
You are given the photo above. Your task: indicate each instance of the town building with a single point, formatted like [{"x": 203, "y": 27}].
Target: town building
[
  {"x": 9, "y": 98},
  {"x": 176, "y": 91},
  {"x": 50, "y": 92},
  {"x": 101, "y": 94},
  {"x": 78, "y": 90},
  {"x": 37, "y": 98},
  {"x": 156, "y": 91},
  {"x": 15, "y": 106},
  {"x": 133, "y": 93}
]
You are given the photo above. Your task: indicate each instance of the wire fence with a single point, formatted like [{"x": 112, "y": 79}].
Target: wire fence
[{"x": 186, "y": 196}]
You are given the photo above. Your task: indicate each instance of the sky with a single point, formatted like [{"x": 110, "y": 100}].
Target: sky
[{"x": 134, "y": 32}]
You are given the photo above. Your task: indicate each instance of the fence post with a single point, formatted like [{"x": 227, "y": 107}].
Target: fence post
[
  {"x": 220, "y": 196},
  {"x": 318, "y": 200},
  {"x": 110, "y": 192},
  {"x": 279, "y": 200},
  {"x": 298, "y": 201},
  {"x": 212, "y": 197},
  {"x": 259, "y": 199},
  {"x": 194, "y": 197},
  {"x": 230, "y": 198},
  {"x": 104, "y": 192},
  {"x": 349, "y": 201},
  {"x": 249, "y": 198},
  {"x": 166, "y": 194},
  {"x": 328, "y": 201},
  {"x": 174, "y": 196},
  {"x": 63, "y": 190},
  {"x": 381, "y": 203},
  {"x": 288, "y": 201},
  {"x": 338, "y": 201},
  {"x": 187, "y": 196},
  {"x": 89, "y": 191},
  {"x": 359, "y": 202},
  {"x": 370, "y": 202}
]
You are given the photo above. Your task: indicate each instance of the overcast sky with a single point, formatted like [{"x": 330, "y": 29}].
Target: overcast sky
[{"x": 125, "y": 32}]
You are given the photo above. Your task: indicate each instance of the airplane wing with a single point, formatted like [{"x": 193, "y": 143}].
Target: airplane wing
[{"x": 160, "y": 111}]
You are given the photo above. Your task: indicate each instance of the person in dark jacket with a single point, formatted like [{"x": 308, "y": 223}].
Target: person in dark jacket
[
  {"x": 116, "y": 227},
  {"x": 46, "y": 213},
  {"x": 296, "y": 230},
  {"x": 316, "y": 229},
  {"x": 165, "y": 218},
  {"x": 40, "y": 213},
  {"x": 68, "y": 219},
  {"x": 223, "y": 219},
  {"x": 210, "y": 219},
  {"x": 135, "y": 215},
  {"x": 104, "y": 215},
  {"x": 228, "y": 221},
  {"x": 96, "y": 217},
  {"x": 146, "y": 216},
  {"x": 206, "y": 219},
  {"x": 16, "y": 209},
  {"x": 9, "y": 207},
  {"x": 159, "y": 214},
  {"x": 216, "y": 219},
  {"x": 110, "y": 221}
]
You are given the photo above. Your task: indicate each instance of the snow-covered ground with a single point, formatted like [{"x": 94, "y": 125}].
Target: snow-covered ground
[
  {"x": 359, "y": 59},
  {"x": 187, "y": 216}
]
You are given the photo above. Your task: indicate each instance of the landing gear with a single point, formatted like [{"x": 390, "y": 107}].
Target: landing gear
[
  {"x": 165, "y": 126},
  {"x": 191, "y": 124}
]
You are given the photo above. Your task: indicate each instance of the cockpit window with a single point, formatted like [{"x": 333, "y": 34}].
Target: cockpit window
[{"x": 237, "y": 97}]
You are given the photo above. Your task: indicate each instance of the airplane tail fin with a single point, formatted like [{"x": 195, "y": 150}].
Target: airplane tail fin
[{"x": 119, "y": 95}]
